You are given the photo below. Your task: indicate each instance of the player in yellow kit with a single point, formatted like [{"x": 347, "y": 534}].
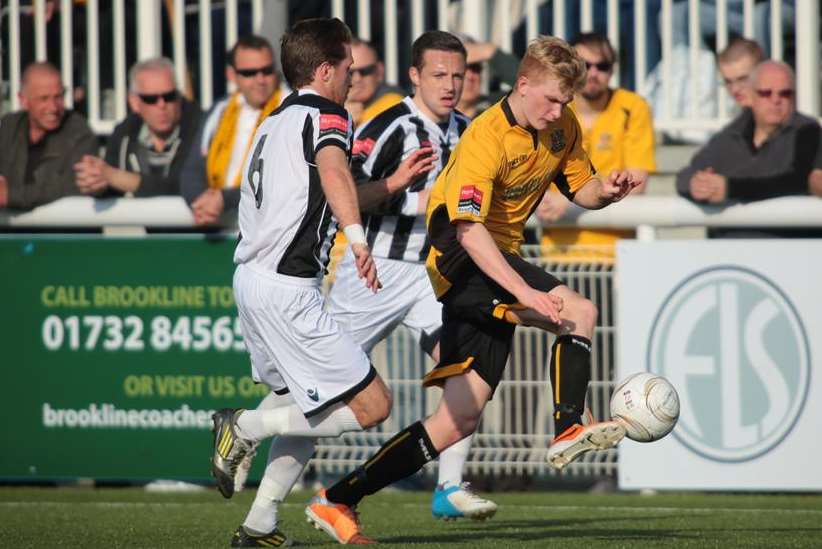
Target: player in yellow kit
[{"x": 494, "y": 180}]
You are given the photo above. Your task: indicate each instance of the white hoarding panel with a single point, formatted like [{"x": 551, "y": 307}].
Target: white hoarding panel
[{"x": 736, "y": 326}]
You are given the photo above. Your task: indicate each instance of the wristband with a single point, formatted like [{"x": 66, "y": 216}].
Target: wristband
[{"x": 354, "y": 234}]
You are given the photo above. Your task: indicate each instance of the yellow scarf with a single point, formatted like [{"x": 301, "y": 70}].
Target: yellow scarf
[{"x": 219, "y": 152}]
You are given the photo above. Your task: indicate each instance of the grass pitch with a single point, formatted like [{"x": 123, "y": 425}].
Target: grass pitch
[{"x": 91, "y": 518}]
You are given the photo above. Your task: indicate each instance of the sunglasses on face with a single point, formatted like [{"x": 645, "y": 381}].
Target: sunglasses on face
[
  {"x": 152, "y": 98},
  {"x": 766, "y": 94},
  {"x": 367, "y": 70},
  {"x": 268, "y": 70},
  {"x": 602, "y": 66}
]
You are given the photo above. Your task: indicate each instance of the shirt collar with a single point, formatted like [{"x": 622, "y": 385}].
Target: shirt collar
[
  {"x": 409, "y": 102},
  {"x": 144, "y": 138}
]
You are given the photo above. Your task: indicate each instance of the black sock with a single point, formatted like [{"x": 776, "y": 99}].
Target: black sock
[
  {"x": 402, "y": 456},
  {"x": 570, "y": 371}
]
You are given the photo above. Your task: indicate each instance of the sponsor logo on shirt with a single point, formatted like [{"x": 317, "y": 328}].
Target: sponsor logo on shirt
[
  {"x": 521, "y": 190},
  {"x": 333, "y": 124},
  {"x": 363, "y": 147},
  {"x": 470, "y": 201},
  {"x": 518, "y": 161},
  {"x": 313, "y": 394}
]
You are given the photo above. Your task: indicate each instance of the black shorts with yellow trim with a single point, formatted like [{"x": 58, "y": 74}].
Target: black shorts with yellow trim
[{"x": 477, "y": 330}]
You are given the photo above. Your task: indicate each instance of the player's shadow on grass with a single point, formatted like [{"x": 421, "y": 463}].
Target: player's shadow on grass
[{"x": 535, "y": 529}]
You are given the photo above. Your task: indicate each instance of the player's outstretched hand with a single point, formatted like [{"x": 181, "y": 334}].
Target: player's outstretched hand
[
  {"x": 366, "y": 268},
  {"x": 617, "y": 186},
  {"x": 415, "y": 164},
  {"x": 548, "y": 305}
]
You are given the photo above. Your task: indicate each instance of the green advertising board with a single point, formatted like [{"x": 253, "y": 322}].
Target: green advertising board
[{"x": 115, "y": 353}]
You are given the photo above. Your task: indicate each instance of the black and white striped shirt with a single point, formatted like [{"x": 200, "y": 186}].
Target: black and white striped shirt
[
  {"x": 394, "y": 230},
  {"x": 286, "y": 224}
]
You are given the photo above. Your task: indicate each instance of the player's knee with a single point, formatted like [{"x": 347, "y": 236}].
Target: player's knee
[
  {"x": 590, "y": 312},
  {"x": 378, "y": 410},
  {"x": 465, "y": 425},
  {"x": 583, "y": 314}
]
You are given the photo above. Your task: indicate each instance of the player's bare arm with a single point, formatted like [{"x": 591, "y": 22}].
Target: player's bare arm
[
  {"x": 479, "y": 244},
  {"x": 598, "y": 193},
  {"x": 340, "y": 191},
  {"x": 417, "y": 163}
]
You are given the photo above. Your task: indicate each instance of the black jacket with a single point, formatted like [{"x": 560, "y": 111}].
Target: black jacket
[
  {"x": 122, "y": 149},
  {"x": 779, "y": 167}
]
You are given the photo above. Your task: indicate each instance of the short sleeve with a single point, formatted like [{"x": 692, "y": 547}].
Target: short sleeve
[
  {"x": 333, "y": 126},
  {"x": 576, "y": 168},
  {"x": 470, "y": 176},
  {"x": 639, "y": 139}
]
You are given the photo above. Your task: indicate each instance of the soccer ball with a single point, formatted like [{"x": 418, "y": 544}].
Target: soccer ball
[{"x": 646, "y": 405}]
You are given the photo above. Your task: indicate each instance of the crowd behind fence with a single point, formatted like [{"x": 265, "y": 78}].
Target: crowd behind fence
[{"x": 93, "y": 44}]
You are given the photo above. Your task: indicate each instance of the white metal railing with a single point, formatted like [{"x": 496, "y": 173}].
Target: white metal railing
[
  {"x": 636, "y": 211},
  {"x": 484, "y": 19}
]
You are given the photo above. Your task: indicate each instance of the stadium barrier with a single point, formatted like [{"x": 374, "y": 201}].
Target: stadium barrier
[
  {"x": 121, "y": 343},
  {"x": 483, "y": 19}
]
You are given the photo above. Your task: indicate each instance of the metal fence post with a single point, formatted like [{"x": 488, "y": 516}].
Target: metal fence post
[
  {"x": 149, "y": 29},
  {"x": 807, "y": 56}
]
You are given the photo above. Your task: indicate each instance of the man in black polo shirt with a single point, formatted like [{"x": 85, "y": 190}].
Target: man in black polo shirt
[
  {"x": 769, "y": 150},
  {"x": 146, "y": 152}
]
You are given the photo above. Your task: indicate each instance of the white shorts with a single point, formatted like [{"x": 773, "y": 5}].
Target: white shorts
[
  {"x": 295, "y": 344},
  {"x": 406, "y": 298}
]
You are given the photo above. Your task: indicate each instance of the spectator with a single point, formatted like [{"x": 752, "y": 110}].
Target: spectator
[
  {"x": 502, "y": 72},
  {"x": 369, "y": 95},
  {"x": 769, "y": 150},
  {"x": 617, "y": 134},
  {"x": 41, "y": 142},
  {"x": 472, "y": 102},
  {"x": 146, "y": 152},
  {"x": 211, "y": 176},
  {"x": 736, "y": 62}
]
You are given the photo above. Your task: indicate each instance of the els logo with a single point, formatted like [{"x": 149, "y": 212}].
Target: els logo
[{"x": 734, "y": 346}]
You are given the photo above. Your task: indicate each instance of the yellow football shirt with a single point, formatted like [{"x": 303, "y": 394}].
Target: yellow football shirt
[{"x": 496, "y": 176}]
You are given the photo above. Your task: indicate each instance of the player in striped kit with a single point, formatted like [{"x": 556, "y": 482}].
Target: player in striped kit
[{"x": 322, "y": 382}]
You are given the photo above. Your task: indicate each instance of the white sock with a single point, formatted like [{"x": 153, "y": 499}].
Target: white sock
[
  {"x": 287, "y": 458},
  {"x": 452, "y": 461},
  {"x": 289, "y": 420}
]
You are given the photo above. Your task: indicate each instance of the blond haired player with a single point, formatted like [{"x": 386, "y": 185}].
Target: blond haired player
[{"x": 476, "y": 215}]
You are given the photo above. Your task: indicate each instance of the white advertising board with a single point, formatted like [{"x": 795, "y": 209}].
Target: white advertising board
[{"x": 736, "y": 326}]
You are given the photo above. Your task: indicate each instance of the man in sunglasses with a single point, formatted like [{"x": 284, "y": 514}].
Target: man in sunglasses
[
  {"x": 146, "y": 152},
  {"x": 769, "y": 150},
  {"x": 212, "y": 172},
  {"x": 617, "y": 134},
  {"x": 41, "y": 142},
  {"x": 369, "y": 95}
]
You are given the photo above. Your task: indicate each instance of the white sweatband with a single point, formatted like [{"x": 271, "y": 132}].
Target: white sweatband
[{"x": 354, "y": 234}]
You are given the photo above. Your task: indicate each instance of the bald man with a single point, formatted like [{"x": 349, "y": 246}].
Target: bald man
[
  {"x": 41, "y": 142},
  {"x": 769, "y": 150}
]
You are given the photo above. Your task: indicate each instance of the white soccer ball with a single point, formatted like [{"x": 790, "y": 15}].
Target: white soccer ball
[{"x": 647, "y": 405}]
